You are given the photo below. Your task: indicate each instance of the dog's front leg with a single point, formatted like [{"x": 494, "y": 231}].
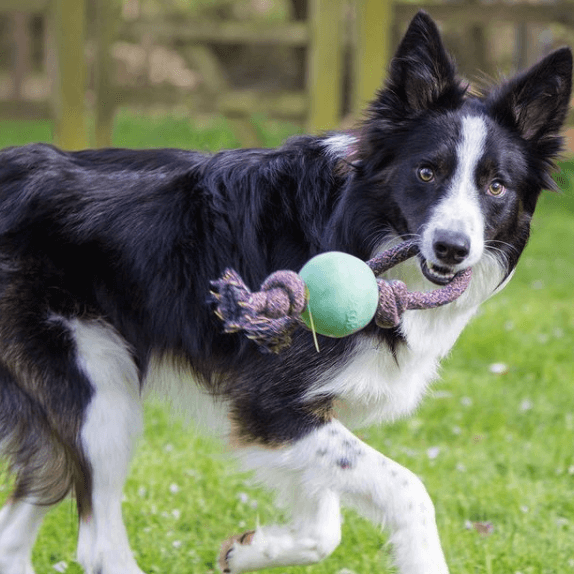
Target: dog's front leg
[
  {"x": 329, "y": 464},
  {"x": 313, "y": 533}
]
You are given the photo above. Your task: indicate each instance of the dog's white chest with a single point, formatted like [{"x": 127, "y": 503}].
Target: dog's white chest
[{"x": 376, "y": 386}]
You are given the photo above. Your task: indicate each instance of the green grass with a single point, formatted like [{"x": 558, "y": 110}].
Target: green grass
[
  {"x": 495, "y": 448},
  {"x": 136, "y": 131}
]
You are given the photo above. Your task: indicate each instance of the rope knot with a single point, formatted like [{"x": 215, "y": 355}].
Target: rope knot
[
  {"x": 393, "y": 302},
  {"x": 268, "y": 316},
  {"x": 282, "y": 294}
]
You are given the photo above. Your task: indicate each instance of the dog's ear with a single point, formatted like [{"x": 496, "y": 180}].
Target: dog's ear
[
  {"x": 421, "y": 75},
  {"x": 535, "y": 103}
]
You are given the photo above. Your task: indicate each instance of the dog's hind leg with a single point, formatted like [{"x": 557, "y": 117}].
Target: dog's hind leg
[
  {"x": 43, "y": 467},
  {"x": 327, "y": 464},
  {"x": 112, "y": 424},
  {"x": 20, "y": 521}
]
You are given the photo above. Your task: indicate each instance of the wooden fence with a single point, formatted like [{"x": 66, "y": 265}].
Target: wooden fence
[
  {"x": 16, "y": 105},
  {"x": 324, "y": 35},
  {"x": 63, "y": 56}
]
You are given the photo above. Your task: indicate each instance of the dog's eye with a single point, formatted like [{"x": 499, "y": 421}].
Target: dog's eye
[
  {"x": 496, "y": 189},
  {"x": 426, "y": 174}
]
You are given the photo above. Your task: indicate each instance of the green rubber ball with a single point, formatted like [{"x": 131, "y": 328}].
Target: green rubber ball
[{"x": 343, "y": 294}]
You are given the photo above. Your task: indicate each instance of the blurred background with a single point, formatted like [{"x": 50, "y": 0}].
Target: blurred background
[{"x": 74, "y": 71}]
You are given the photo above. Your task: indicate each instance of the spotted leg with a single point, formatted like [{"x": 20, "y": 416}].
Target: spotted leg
[{"x": 328, "y": 465}]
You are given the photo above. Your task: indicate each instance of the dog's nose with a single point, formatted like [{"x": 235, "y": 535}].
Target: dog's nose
[{"x": 451, "y": 247}]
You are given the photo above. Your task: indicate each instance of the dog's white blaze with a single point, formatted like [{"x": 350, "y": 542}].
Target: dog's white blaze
[
  {"x": 459, "y": 210},
  {"x": 469, "y": 151},
  {"x": 113, "y": 422}
]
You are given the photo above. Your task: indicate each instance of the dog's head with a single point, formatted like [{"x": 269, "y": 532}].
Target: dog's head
[{"x": 460, "y": 172}]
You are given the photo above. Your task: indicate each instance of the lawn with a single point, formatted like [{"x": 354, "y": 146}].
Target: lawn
[{"x": 493, "y": 442}]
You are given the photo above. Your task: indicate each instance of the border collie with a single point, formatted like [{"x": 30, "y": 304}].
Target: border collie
[{"x": 106, "y": 259}]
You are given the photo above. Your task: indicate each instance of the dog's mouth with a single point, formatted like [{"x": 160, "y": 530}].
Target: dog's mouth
[{"x": 437, "y": 274}]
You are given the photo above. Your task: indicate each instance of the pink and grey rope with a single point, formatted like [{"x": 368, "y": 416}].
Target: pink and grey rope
[{"x": 270, "y": 315}]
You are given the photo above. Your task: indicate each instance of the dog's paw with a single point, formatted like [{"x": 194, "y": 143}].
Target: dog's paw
[{"x": 226, "y": 553}]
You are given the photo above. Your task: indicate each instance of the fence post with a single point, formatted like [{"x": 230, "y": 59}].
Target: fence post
[
  {"x": 107, "y": 15},
  {"x": 324, "y": 65},
  {"x": 21, "y": 38},
  {"x": 69, "y": 20},
  {"x": 373, "y": 49}
]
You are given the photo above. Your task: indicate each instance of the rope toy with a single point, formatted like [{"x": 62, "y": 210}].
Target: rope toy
[{"x": 287, "y": 300}]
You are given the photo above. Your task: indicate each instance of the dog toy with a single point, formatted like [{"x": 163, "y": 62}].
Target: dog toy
[
  {"x": 335, "y": 294},
  {"x": 342, "y": 294}
]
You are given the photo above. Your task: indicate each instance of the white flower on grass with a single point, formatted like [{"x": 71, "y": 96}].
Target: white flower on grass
[
  {"x": 176, "y": 513},
  {"x": 498, "y": 368},
  {"x": 174, "y": 488},
  {"x": 466, "y": 401},
  {"x": 433, "y": 452},
  {"x": 243, "y": 497},
  {"x": 177, "y": 543},
  {"x": 526, "y": 405}
]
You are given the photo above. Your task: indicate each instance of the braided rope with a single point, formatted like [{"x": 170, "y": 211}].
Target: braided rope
[{"x": 271, "y": 315}]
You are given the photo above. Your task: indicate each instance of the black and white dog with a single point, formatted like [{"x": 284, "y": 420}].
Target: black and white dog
[{"x": 106, "y": 259}]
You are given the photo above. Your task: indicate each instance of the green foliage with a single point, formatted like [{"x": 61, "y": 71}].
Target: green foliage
[
  {"x": 135, "y": 130},
  {"x": 493, "y": 441},
  {"x": 20, "y": 133}
]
